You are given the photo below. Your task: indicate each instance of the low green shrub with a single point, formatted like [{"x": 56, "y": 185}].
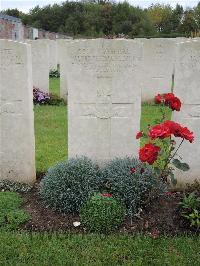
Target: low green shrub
[
  {"x": 102, "y": 213},
  {"x": 8, "y": 185},
  {"x": 68, "y": 185},
  {"x": 55, "y": 100},
  {"x": 11, "y": 214},
  {"x": 190, "y": 209},
  {"x": 131, "y": 181},
  {"x": 54, "y": 73}
]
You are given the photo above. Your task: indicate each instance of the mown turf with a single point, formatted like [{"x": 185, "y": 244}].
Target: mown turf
[
  {"x": 63, "y": 249},
  {"x": 54, "y": 86},
  {"x": 50, "y": 135}
]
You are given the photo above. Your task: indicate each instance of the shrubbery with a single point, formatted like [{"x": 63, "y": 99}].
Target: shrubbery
[
  {"x": 131, "y": 181},
  {"x": 68, "y": 185},
  {"x": 40, "y": 97},
  {"x": 54, "y": 73},
  {"x": 190, "y": 209},
  {"x": 102, "y": 213}
]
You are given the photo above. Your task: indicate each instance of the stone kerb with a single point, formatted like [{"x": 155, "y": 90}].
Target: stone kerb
[
  {"x": 187, "y": 81},
  {"x": 17, "y": 145},
  {"x": 104, "y": 97}
]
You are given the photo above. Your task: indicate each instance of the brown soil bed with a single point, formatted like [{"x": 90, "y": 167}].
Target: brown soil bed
[{"x": 161, "y": 217}]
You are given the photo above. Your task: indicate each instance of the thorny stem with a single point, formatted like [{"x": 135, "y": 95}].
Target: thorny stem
[
  {"x": 176, "y": 150},
  {"x": 170, "y": 158}
]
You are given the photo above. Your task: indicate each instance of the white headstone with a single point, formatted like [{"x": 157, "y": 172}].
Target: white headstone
[
  {"x": 52, "y": 46},
  {"x": 104, "y": 98},
  {"x": 187, "y": 82},
  {"x": 61, "y": 46},
  {"x": 40, "y": 64},
  {"x": 157, "y": 67},
  {"x": 17, "y": 147}
]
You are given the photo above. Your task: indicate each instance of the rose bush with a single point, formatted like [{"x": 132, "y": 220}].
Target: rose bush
[{"x": 160, "y": 142}]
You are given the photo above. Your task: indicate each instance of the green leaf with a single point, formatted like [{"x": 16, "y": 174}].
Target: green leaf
[
  {"x": 173, "y": 179},
  {"x": 182, "y": 166},
  {"x": 185, "y": 167}
]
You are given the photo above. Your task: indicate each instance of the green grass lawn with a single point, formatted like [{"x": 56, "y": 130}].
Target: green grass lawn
[
  {"x": 54, "y": 86},
  {"x": 50, "y": 135},
  {"x": 69, "y": 249}
]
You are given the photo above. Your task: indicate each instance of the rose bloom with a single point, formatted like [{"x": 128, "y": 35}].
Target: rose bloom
[
  {"x": 139, "y": 135},
  {"x": 175, "y": 104},
  {"x": 107, "y": 195},
  {"x": 158, "y": 99},
  {"x": 172, "y": 101},
  {"x": 149, "y": 153},
  {"x": 178, "y": 131},
  {"x": 132, "y": 170},
  {"x": 168, "y": 97},
  {"x": 160, "y": 131},
  {"x": 187, "y": 134},
  {"x": 174, "y": 128}
]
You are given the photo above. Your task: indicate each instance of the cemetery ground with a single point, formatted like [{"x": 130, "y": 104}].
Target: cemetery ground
[{"x": 157, "y": 236}]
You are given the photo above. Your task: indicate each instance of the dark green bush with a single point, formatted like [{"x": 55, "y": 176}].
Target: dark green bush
[
  {"x": 131, "y": 181},
  {"x": 68, "y": 185},
  {"x": 102, "y": 213}
]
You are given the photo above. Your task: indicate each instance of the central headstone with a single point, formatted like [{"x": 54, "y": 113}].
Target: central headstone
[{"x": 104, "y": 97}]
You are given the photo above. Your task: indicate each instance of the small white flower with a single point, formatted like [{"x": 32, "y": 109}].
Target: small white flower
[{"x": 76, "y": 224}]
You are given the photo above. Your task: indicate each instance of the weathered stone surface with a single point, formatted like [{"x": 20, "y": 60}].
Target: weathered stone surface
[
  {"x": 17, "y": 147},
  {"x": 52, "y": 55},
  {"x": 61, "y": 46},
  {"x": 40, "y": 64},
  {"x": 157, "y": 67},
  {"x": 104, "y": 97},
  {"x": 187, "y": 81}
]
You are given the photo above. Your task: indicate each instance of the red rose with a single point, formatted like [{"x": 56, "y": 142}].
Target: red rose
[
  {"x": 142, "y": 171},
  {"x": 174, "y": 128},
  {"x": 172, "y": 101},
  {"x": 158, "y": 99},
  {"x": 168, "y": 193},
  {"x": 168, "y": 97},
  {"x": 178, "y": 131},
  {"x": 175, "y": 104},
  {"x": 187, "y": 134},
  {"x": 133, "y": 170},
  {"x": 149, "y": 153},
  {"x": 159, "y": 131},
  {"x": 139, "y": 135},
  {"x": 107, "y": 195}
]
